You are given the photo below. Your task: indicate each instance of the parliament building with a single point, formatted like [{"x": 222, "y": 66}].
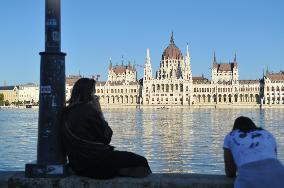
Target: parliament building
[{"x": 174, "y": 85}]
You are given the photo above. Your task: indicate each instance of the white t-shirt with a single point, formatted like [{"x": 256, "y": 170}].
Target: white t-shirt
[{"x": 252, "y": 146}]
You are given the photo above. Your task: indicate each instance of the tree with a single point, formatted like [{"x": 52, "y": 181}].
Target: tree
[
  {"x": 7, "y": 103},
  {"x": 1, "y": 99}
]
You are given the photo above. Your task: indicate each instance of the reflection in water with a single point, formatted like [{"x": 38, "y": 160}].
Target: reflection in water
[{"x": 173, "y": 140}]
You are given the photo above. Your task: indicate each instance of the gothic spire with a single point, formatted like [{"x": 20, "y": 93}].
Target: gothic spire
[
  {"x": 267, "y": 71},
  {"x": 110, "y": 63},
  {"x": 148, "y": 54},
  {"x": 187, "y": 57},
  {"x": 172, "y": 38},
  {"x": 235, "y": 58},
  {"x": 187, "y": 52},
  {"x": 215, "y": 57}
]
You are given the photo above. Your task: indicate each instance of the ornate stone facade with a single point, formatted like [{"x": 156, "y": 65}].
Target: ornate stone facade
[
  {"x": 273, "y": 88},
  {"x": 174, "y": 85}
]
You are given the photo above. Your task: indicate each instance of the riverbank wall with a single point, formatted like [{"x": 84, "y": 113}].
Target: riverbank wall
[
  {"x": 161, "y": 106},
  {"x": 201, "y": 106},
  {"x": 165, "y": 180}
]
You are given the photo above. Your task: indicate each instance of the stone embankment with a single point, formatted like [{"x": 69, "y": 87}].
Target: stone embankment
[{"x": 166, "y": 180}]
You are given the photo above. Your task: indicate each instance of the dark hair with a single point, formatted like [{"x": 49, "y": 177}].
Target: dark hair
[
  {"x": 82, "y": 91},
  {"x": 245, "y": 124}
]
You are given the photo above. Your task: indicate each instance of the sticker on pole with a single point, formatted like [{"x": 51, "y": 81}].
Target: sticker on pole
[
  {"x": 45, "y": 89},
  {"x": 51, "y": 22}
]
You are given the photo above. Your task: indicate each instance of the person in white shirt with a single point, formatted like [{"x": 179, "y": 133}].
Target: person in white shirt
[{"x": 251, "y": 152}]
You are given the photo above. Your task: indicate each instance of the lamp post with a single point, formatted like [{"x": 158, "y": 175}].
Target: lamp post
[{"x": 51, "y": 158}]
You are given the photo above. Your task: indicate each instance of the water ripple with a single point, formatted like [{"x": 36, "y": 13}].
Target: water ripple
[{"x": 173, "y": 140}]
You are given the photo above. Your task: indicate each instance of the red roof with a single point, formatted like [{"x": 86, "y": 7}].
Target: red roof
[
  {"x": 172, "y": 52},
  {"x": 224, "y": 66},
  {"x": 249, "y": 81},
  {"x": 120, "y": 69},
  {"x": 199, "y": 79},
  {"x": 276, "y": 76}
]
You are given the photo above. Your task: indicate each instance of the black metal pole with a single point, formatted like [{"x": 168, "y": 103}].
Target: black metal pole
[{"x": 51, "y": 158}]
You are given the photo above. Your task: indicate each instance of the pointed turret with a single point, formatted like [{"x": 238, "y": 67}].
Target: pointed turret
[
  {"x": 134, "y": 65},
  {"x": 214, "y": 60},
  {"x": 128, "y": 66},
  {"x": 148, "y": 67},
  {"x": 110, "y": 64},
  {"x": 267, "y": 71},
  {"x": 235, "y": 58},
  {"x": 147, "y": 55},
  {"x": 187, "y": 68},
  {"x": 187, "y": 52},
  {"x": 172, "y": 38}
]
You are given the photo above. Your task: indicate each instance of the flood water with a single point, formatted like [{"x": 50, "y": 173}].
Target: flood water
[{"x": 173, "y": 140}]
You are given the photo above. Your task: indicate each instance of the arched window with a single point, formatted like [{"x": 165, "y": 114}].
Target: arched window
[{"x": 181, "y": 87}]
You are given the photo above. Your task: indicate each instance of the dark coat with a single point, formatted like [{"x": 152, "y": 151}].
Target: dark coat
[{"x": 86, "y": 136}]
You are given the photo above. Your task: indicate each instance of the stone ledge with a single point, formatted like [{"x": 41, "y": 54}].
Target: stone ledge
[
  {"x": 153, "y": 181},
  {"x": 4, "y": 176}
]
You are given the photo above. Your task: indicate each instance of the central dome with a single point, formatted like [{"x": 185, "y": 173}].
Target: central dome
[{"x": 172, "y": 51}]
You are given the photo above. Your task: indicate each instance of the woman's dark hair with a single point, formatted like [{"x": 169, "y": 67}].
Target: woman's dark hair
[
  {"x": 82, "y": 91},
  {"x": 245, "y": 124}
]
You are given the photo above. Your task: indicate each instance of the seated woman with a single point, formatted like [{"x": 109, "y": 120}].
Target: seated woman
[
  {"x": 252, "y": 152},
  {"x": 86, "y": 137}
]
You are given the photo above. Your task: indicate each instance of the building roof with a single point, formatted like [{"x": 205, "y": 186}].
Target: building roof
[
  {"x": 276, "y": 76},
  {"x": 100, "y": 83},
  {"x": 120, "y": 69},
  {"x": 7, "y": 87},
  {"x": 224, "y": 66},
  {"x": 28, "y": 85},
  {"x": 200, "y": 80},
  {"x": 172, "y": 51},
  {"x": 122, "y": 83},
  {"x": 249, "y": 81}
]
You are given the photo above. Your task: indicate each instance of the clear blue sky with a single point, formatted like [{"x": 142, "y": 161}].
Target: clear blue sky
[{"x": 93, "y": 31}]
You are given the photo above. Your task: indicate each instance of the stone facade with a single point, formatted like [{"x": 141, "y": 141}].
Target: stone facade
[
  {"x": 174, "y": 85},
  {"x": 121, "y": 73},
  {"x": 273, "y": 93},
  {"x": 25, "y": 93},
  {"x": 28, "y": 93},
  {"x": 11, "y": 93},
  {"x": 119, "y": 93}
]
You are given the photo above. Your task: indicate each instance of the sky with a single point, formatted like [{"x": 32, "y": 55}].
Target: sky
[{"x": 93, "y": 31}]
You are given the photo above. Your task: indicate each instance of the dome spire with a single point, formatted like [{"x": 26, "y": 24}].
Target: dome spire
[{"x": 172, "y": 38}]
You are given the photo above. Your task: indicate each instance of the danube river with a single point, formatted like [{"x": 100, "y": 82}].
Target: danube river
[{"x": 173, "y": 140}]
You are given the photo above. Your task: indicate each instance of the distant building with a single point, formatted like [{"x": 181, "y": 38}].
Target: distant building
[
  {"x": 174, "y": 85},
  {"x": 121, "y": 86},
  {"x": 121, "y": 73},
  {"x": 273, "y": 88},
  {"x": 11, "y": 93},
  {"x": 28, "y": 93}
]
